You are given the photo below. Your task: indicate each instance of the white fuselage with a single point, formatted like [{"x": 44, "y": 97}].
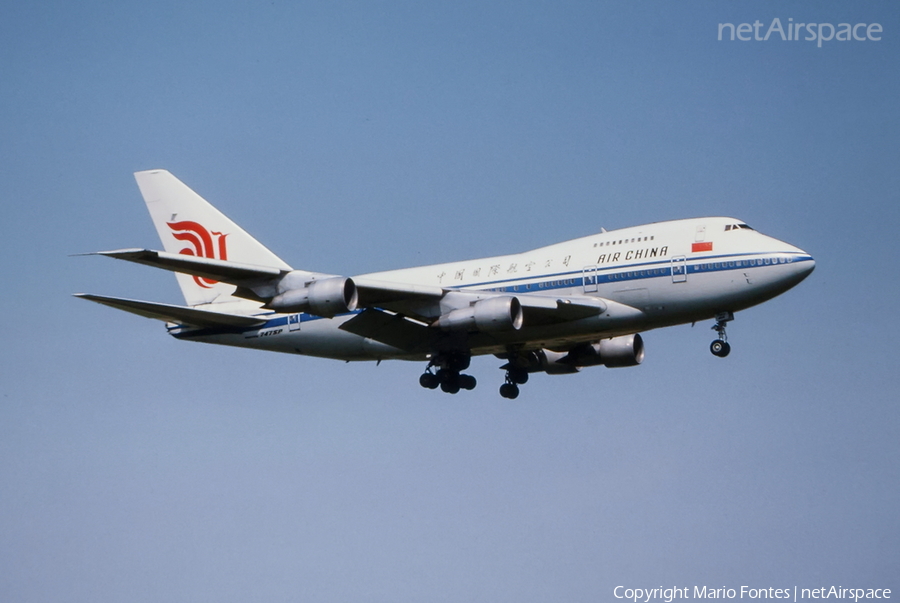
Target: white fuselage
[{"x": 662, "y": 274}]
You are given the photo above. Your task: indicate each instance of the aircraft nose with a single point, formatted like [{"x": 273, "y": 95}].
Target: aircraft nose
[
  {"x": 809, "y": 266},
  {"x": 804, "y": 264}
]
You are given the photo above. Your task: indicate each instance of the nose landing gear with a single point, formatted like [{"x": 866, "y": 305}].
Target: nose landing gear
[{"x": 720, "y": 347}]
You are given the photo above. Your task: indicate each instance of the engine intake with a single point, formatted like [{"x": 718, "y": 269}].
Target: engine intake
[
  {"x": 326, "y": 297},
  {"x": 485, "y": 316}
]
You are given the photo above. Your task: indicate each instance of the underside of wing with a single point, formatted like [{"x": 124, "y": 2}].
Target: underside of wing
[
  {"x": 391, "y": 329},
  {"x": 421, "y": 302},
  {"x": 178, "y": 314}
]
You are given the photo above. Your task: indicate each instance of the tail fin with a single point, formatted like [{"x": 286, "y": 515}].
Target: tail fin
[{"x": 189, "y": 225}]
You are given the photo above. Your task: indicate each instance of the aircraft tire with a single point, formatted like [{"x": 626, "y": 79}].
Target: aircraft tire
[
  {"x": 449, "y": 381},
  {"x": 720, "y": 348},
  {"x": 509, "y": 390},
  {"x": 467, "y": 382},
  {"x": 429, "y": 381}
]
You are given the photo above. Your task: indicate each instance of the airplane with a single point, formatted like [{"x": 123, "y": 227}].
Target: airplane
[{"x": 554, "y": 309}]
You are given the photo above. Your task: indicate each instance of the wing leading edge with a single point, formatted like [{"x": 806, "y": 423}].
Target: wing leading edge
[
  {"x": 177, "y": 314},
  {"x": 226, "y": 271}
]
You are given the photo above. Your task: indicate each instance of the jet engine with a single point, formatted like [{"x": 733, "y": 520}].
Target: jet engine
[
  {"x": 485, "y": 316},
  {"x": 627, "y": 350},
  {"x": 326, "y": 297}
]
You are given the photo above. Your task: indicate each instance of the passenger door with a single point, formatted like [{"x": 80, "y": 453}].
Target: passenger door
[
  {"x": 589, "y": 279},
  {"x": 679, "y": 269}
]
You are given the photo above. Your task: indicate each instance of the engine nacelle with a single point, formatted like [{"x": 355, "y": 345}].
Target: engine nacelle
[
  {"x": 326, "y": 297},
  {"x": 485, "y": 316},
  {"x": 555, "y": 363},
  {"x": 627, "y": 350}
]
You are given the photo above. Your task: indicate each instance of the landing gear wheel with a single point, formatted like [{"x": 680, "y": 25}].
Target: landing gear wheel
[
  {"x": 443, "y": 371},
  {"x": 429, "y": 381},
  {"x": 720, "y": 348},
  {"x": 450, "y": 387},
  {"x": 449, "y": 381},
  {"x": 517, "y": 376},
  {"x": 509, "y": 390},
  {"x": 467, "y": 382}
]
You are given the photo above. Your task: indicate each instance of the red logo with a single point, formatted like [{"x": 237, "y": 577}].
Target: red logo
[
  {"x": 698, "y": 247},
  {"x": 201, "y": 245}
]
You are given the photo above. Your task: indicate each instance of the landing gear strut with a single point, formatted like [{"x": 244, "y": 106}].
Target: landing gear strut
[
  {"x": 447, "y": 375},
  {"x": 514, "y": 378},
  {"x": 720, "y": 347}
]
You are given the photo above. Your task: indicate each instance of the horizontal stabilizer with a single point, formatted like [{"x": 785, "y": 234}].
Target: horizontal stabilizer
[
  {"x": 210, "y": 268},
  {"x": 178, "y": 314}
]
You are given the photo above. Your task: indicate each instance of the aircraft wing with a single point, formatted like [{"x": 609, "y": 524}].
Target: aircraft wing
[
  {"x": 218, "y": 270},
  {"x": 392, "y": 329},
  {"x": 261, "y": 282},
  {"x": 539, "y": 309},
  {"x": 373, "y": 292},
  {"x": 423, "y": 303},
  {"x": 172, "y": 313}
]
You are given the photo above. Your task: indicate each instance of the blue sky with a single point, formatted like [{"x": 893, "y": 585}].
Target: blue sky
[{"x": 355, "y": 137}]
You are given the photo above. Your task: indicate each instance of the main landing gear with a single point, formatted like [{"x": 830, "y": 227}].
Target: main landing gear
[
  {"x": 444, "y": 371},
  {"x": 720, "y": 347},
  {"x": 514, "y": 378},
  {"x": 447, "y": 375}
]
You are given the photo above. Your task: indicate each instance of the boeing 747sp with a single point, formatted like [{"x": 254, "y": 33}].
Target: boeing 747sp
[{"x": 554, "y": 309}]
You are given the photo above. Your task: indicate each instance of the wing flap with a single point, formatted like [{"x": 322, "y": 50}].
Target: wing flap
[{"x": 177, "y": 314}]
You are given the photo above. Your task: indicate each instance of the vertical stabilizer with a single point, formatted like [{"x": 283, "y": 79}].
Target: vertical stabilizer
[{"x": 189, "y": 225}]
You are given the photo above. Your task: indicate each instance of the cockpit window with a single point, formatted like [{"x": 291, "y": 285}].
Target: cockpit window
[{"x": 736, "y": 226}]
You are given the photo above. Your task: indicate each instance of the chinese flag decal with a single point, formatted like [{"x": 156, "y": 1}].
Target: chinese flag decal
[{"x": 695, "y": 247}]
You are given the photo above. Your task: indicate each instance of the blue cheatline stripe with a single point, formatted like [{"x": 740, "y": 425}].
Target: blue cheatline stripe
[
  {"x": 633, "y": 272},
  {"x": 567, "y": 280},
  {"x": 275, "y": 321}
]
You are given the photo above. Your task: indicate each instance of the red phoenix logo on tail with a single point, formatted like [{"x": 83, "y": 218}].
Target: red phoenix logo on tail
[{"x": 201, "y": 245}]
